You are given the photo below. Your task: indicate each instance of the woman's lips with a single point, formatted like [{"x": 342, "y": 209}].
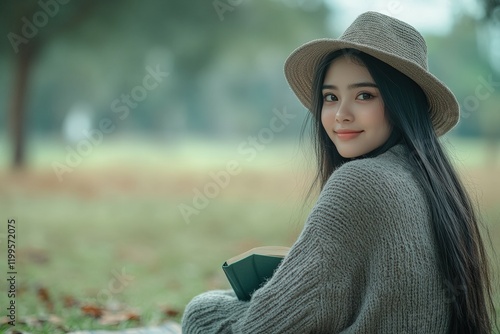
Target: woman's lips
[{"x": 347, "y": 134}]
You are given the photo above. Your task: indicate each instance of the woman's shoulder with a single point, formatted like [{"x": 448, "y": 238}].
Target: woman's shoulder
[
  {"x": 388, "y": 179},
  {"x": 388, "y": 173},
  {"x": 384, "y": 189}
]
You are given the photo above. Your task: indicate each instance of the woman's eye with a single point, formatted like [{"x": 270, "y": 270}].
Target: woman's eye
[
  {"x": 329, "y": 98},
  {"x": 365, "y": 96}
]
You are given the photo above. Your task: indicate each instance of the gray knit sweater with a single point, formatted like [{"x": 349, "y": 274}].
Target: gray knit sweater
[{"x": 365, "y": 262}]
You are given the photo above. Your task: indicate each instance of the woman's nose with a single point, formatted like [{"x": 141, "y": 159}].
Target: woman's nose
[{"x": 343, "y": 113}]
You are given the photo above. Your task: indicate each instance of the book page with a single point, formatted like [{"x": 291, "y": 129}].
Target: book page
[{"x": 277, "y": 251}]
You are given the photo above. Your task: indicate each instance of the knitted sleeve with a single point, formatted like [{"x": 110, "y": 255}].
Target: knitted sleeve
[
  {"x": 318, "y": 288},
  {"x": 287, "y": 303}
]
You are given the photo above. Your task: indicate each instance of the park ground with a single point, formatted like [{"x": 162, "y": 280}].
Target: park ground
[{"x": 108, "y": 246}]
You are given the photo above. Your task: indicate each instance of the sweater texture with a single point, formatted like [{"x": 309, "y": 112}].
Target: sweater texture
[{"x": 365, "y": 262}]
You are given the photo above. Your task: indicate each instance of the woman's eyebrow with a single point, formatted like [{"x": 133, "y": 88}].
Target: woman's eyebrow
[{"x": 354, "y": 85}]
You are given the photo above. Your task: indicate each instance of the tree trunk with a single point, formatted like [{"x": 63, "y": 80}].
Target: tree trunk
[{"x": 24, "y": 60}]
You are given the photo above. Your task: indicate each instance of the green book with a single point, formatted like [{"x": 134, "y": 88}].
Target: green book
[{"x": 248, "y": 271}]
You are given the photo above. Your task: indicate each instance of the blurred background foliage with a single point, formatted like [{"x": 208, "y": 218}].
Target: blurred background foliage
[
  {"x": 224, "y": 61},
  {"x": 225, "y": 66}
]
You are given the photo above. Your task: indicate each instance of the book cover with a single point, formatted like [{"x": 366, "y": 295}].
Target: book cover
[{"x": 248, "y": 271}]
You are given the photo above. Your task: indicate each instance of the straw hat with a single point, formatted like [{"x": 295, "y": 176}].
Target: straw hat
[{"x": 388, "y": 39}]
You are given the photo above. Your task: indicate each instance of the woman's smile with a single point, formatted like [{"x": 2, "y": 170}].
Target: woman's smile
[
  {"x": 347, "y": 134},
  {"x": 353, "y": 112}
]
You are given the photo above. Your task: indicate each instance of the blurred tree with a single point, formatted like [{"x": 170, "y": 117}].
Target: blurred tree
[
  {"x": 471, "y": 76},
  {"x": 119, "y": 35},
  {"x": 462, "y": 79},
  {"x": 28, "y": 32},
  {"x": 489, "y": 30},
  {"x": 490, "y": 6}
]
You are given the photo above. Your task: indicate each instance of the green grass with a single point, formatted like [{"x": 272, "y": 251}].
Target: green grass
[
  {"x": 85, "y": 241},
  {"x": 119, "y": 211}
]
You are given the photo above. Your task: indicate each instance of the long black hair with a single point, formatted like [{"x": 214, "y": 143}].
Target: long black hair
[{"x": 461, "y": 252}]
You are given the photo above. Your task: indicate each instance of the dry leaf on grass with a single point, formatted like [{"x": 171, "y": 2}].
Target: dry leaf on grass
[
  {"x": 41, "y": 320},
  {"x": 44, "y": 297},
  {"x": 92, "y": 310},
  {"x": 70, "y": 301},
  {"x": 170, "y": 312},
  {"x": 111, "y": 314},
  {"x": 109, "y": 318}
]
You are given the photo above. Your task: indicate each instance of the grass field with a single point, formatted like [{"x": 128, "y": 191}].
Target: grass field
[{"x": 111, "y": 233}]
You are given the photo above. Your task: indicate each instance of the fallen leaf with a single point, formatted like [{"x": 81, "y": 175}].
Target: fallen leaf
[
  {"x": 133, "y": 316},
  {"x": 43, "y": 295},
  {"x": 109, "y": 318},
  {"x": 92, "y": 310},
  {"x": 40, "y": 321},
  {"x": 69, "y": 301},
  {"x": 170, "y": 312}
]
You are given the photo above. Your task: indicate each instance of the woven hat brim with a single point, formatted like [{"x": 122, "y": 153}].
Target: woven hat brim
[{"x": 301, "y": 65}]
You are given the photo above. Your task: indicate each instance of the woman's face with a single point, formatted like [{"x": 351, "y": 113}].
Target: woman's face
[{"x": 353, "y": 111}]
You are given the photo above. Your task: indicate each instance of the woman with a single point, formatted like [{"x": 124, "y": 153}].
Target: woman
[{"x": 392, "y": 244}]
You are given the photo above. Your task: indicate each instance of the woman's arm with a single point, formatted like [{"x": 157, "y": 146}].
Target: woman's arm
[
  {"x": 285, "y": 304},
  {"x": 318, "y": 286}
]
